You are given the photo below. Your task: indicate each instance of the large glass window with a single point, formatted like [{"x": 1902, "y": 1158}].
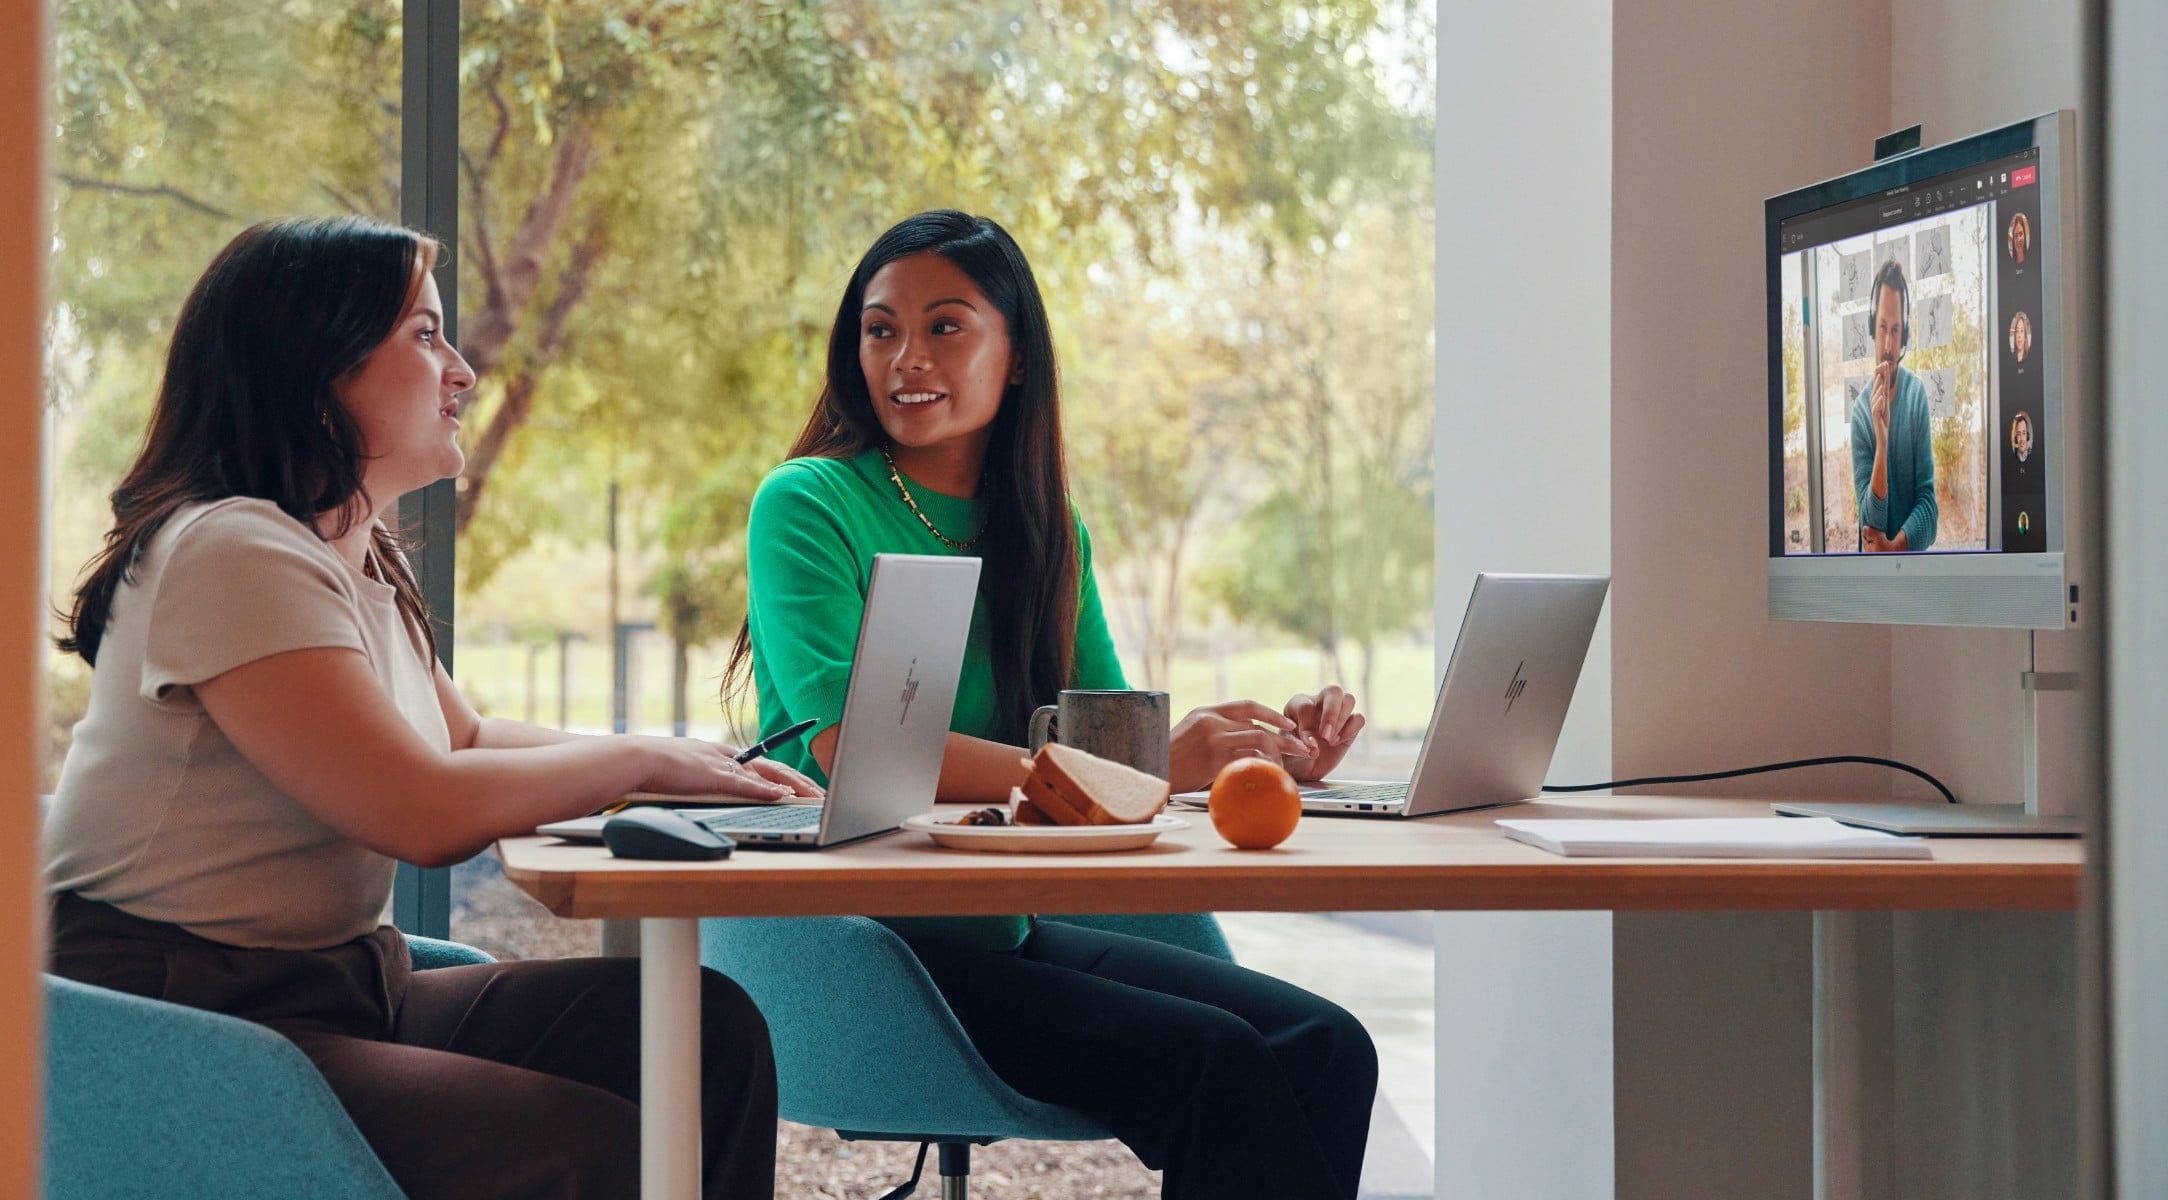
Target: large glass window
[
  {"x": 1229, "y": 208},
  {"x": 1228, "y": 204},
  {"x": 178, "y": 126}
]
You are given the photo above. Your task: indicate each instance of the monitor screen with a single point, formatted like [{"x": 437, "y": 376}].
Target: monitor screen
[
  {"x": 1928, "y": 450},
  {"x": 1914, "y": 350}
]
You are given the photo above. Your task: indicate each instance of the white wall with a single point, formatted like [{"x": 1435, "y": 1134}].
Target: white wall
[
  {"x": 1962, "y": 66},
  {"x": 1718, "y": 106},
  {"x": 1711, "y": 122},
  {"x": 1523, "y": 467},
  {"x": 1959, "y": 67},
  {"x": 2137, "y": 286},
  {"x": 1986, "y": 1099},
  {"x": 1711, "y": 107}
]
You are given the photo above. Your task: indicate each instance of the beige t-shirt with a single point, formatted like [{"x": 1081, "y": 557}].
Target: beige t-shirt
[{"x": 156, "y": 813}]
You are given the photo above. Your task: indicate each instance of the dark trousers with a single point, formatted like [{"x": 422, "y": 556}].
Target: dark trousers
[
  {"x": 1233, "y": 1083},
  {"x": 517, "y": 1079}
]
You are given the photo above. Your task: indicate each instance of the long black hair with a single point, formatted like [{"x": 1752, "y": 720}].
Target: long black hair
[
  {"x": 1030, "y": 577},
  {"x": 246, "y": 408}
]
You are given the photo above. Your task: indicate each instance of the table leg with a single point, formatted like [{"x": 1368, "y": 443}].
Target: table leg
[
  {"x": 620, "y": 937},
  {"x": 669, "y": 1074},
  {"x": 1854, "y": 1052}
]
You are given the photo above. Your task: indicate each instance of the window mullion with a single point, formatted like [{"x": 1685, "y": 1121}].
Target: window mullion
[{"x": 429, "y": 201}]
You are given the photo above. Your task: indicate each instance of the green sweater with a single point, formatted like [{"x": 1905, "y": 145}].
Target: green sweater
[
  {"x": 816, "y": 524},
  {"x": 1910, "y": 507}
]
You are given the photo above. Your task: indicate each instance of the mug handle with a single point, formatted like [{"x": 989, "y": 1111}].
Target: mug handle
[{"x": 1042, "y": 732}]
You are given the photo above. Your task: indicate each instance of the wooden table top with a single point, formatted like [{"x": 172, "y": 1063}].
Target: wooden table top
[{"x": 1458, "y": 861}]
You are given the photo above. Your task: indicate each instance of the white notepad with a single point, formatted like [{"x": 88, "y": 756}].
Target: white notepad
[{"x": 1715, "y": 837}]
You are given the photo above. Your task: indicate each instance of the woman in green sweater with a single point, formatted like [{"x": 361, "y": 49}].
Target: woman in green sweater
[{"x": 939, "y": 432}]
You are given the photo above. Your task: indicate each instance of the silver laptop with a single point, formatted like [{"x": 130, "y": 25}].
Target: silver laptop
[
  {"x": 1507, "y": 685},
  {"x": 895, "y": 716}
]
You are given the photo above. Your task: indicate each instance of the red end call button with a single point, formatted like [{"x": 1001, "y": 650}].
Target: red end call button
[{"x": 2023, "y": 176}]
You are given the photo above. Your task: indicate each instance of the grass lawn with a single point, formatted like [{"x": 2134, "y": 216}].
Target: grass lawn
[{"x": 495, "y": 677}]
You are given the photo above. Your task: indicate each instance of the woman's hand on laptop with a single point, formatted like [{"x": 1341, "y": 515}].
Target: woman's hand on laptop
[
  {"x": 1213, "y": 736},
  {"x": 1329, "y": 722},
  {"x": 691, "y": 767},
  {"x": 774, "y": 772}
]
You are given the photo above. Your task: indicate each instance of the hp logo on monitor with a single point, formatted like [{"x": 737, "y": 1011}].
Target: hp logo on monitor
[{"x": 1515, "y": 688}]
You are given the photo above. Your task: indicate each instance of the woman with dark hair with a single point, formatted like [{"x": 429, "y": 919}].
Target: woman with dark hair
[
  {"x": 939, "y": 432},
  {"x": 268, "y": 733}
]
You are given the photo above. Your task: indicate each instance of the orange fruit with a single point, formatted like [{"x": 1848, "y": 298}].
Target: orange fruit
[{"x": 1255, "y": 803}]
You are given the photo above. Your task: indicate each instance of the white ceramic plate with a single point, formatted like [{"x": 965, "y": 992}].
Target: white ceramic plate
[{"x": 1040, "y": 839}]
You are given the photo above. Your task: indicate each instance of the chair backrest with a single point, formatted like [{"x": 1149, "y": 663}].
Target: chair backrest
[
  {"x": 865, "y": 1043},
  {"x": 863, "y": 1039},
  {"x": 149, "y": 1099}
]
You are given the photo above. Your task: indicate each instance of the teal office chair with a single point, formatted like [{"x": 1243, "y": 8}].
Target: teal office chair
[
  {"x": 158, "y": 1101},
  {"x": 866, "y": 1046}
]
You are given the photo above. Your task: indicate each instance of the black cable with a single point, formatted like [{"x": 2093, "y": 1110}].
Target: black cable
[{"x": 1782, "y": 766}]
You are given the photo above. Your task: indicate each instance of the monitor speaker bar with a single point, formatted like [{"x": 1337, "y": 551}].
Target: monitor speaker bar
[{"x": 1988, "y": 601}]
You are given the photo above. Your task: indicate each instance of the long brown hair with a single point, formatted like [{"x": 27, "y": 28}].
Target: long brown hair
[
  {"x": 246, "y": 407},
  {"x": 1030, "y": 573}
]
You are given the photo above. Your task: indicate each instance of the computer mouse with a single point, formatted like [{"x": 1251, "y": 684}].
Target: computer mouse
[{"x": 648, "y": 832}]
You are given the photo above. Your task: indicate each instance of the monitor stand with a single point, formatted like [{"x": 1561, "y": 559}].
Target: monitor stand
[
  {"x": 1938, "y": 819},
  {"x": 1971, "y": 820}
]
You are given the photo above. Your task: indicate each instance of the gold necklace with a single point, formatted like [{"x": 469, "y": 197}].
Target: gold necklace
[{"x": 904, "y": 490}]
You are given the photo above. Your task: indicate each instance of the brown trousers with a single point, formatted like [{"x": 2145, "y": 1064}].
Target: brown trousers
[{"x": 516, "y": 1079}]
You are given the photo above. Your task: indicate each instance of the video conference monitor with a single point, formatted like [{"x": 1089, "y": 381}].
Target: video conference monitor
[{"x": 1921, "y": 467}]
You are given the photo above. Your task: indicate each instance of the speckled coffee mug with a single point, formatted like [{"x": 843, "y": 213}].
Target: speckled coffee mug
[{"x": 1126, "y": 726}]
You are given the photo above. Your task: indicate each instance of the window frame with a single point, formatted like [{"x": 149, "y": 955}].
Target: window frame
[{"x": 429, "y": 201}]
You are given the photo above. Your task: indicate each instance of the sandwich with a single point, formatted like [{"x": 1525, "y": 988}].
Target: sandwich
[{"x": 1069, "y": 787}]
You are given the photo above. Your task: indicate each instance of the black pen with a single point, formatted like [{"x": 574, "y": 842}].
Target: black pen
[{"x": 761, "y": 747}]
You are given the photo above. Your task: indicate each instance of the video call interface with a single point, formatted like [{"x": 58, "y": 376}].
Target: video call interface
[{"x": 1914, "y": 362}]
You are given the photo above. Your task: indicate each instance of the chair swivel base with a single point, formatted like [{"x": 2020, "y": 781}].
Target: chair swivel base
[{"x": 954, "y": 1164}]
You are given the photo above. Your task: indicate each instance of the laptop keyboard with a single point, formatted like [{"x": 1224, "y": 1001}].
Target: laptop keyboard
[
  {"x": 1360, "y": 793},
  {"x": 784, "y": 818}
]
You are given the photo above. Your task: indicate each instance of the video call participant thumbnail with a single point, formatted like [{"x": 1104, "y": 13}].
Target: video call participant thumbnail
[
  {"x": 1893, "y": 462},
  {"x": 2024, "y": 480}
]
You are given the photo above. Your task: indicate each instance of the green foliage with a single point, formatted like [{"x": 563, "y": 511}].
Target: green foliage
[
  {"x": 1226, "y": 203},
  {"x": 178, "y": 123},
  {"x": 1335, "y": 398}
]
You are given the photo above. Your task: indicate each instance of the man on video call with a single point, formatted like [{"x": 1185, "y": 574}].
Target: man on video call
[{"x": 1893, "y": 461}]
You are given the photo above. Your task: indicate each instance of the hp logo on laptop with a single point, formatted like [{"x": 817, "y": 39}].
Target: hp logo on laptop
[{"x": 1515, "y": 688}]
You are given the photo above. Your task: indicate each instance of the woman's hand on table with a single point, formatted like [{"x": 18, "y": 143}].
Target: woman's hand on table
[
  {"x": 1213, "y": 736},
  {"x": 691, "y": 767},
  {"x": 1328, "y": 722}
]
